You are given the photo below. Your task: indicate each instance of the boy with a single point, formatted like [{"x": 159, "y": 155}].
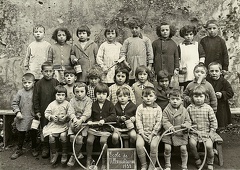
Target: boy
[
  {"x": 214, "y": 46},
  {"x": 84, "y": 52},
  {"x": 37, "y": 52},
  {"x": 203, "y": 116},
  {"x": 137, "y": 50},
  {"x": 200, "y": 73},
  {"x": 148, "y": 125},
  {"x": 43, "y": 95},
  {"x": 70, "y": 78},
  {"x": 22, "y": 107}
]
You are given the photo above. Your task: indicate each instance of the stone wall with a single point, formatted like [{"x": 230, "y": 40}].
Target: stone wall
[{"x": 17, "y": 18}]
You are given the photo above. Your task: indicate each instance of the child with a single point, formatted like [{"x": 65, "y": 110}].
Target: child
[
  {"x": 37, "y": 52},
  {"x": 121, "y": 79},
  {"x": 23, "y": 108},
  {"x": 43, "y": 95},
  {"x": 214, "y": 46},
  {"x": 103, "y": 111},
  {"x": 108, "y": 54},
  {"x": 142, "y": 76},
  {"x": 173, "y": 115},
  {"x": 190, "y": 53},
  {"x": 82, "y": 106},
  {"x": 57, "y": 115},
  {"x": 148, "y": 125},
  {"x": 200, "y": 73},
  {"x": 70, "y": 79},
  {"x": 136, "y": 50},
  {"x": 125, "y": 111},
  {"x": 165, "y": 50},
  {"x": 59, "y": 53},
  {"x": 223, "y": 91},
  {"x": 84, "y": 52},
  {"x": 202, "y": 115}
]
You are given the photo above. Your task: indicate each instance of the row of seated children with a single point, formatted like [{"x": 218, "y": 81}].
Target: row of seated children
[{"x": 96, "y": 113}]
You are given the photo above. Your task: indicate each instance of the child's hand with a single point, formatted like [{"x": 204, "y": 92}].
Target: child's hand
[
  {"x": 150, "y": 138},
  {"x": 62, "y": 119},
  {"x": 132, "y": 119},
  {"x": 101, "y": 122},
  {"x": 171, "y": 129},
  {"x": 123, "y": 118},
  {"x": 218, "y": 95},
  {"x": 38, "y": 115},
  {"x": 145, "y": 138},
  {"x": 79, "y": 122},
  {"x": 19, "y": 115},
  {"x": 89, "y": 122},
  {"x": 54, "y": 118}
]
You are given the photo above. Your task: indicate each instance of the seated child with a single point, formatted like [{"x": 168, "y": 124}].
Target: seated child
[
  {"x": 173, "y": 115},
  {"x": 57, "y": 127},
  {"x": 203, "y": 116},
  {"x": 82, "y": 106},
  {"x": 70, "y": 79},
  {"x": 148, "y": 125},
  {"x": 102, "y": 111},
  {"x": 125, "y": 111},
  {"x": 22, "y": 107}
]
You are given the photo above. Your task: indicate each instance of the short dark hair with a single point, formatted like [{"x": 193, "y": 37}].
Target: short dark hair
[
  {"x": 101, "y": 88},
  {"x": 213, "y": 21},
  {"x": 60, "y": 89},
  {"x": 124, "y": 91},
  {"x": 123, "y": 70},
  {"x": 38, "y": 26},
  {"x": 187, "y": 29},
  {"x": 163, "y": 74},
  {"x": 78, "y": 85},
  {"x": 46, "y": 63},
  {"x": 140, "y": 69},
  {"x": 148, "y": 90},
  {"x": 83, "y": 28},
  {"x": 198, "y": 90},
  {"x": 68, "y": 34},
  {"x": 215, "y": 63},
  {"x": 172, "y": 29},
  {"x": 110, "y": 29},
  {"x": 28, "y": 76},
  {"x": 135, "y": 22},
  {"x": 175, "y": 93},
  {"x": 69, "y": 71}
]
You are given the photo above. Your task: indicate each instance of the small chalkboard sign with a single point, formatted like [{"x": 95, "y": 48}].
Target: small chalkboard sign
[{"x": 121, "y": 158}]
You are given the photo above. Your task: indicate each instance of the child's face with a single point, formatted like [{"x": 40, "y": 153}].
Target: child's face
[
  {"x": 80, "y": 92},
  {"x": 143, "y": 76},
  {"x": 212, "y": 30},
  {"x": 47, "y": 72},
  {"x": 149, "y": 99},
  {"x": 82, "y": 35},
  {"x": 111, "y": 36},
  {"x": 214, "y": 72},
  {"x": 189, "y": 36},
  {"x": 101, "y": 96},
  {"x": 165, "y": 31},
  {"x": 200, "y": 72},
  {"x": 199, "y": 99},
  {"x": 123, "y": 99},
  {"x": 120, "y": 78},
  {"x": 61, "y": 37},
  {"x": 175, "y": 101},
  {"x": 93, "y": 81},
  {"x": 70, "y": 78},
  {"x": 39, "y": 33},
  {"x": 60, "y": 97},
  {"x": 136, "y": 31},
  {"x": 28, "y": 84},
  {"x": 164, "y": 83}
]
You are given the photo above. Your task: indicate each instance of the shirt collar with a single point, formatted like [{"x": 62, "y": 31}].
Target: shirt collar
[
  {"x": 154, "y": 105},
  {"x": 140, "y": 36}
]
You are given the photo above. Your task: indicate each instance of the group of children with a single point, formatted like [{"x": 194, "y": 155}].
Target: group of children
[{"x": 108, "y": 92}]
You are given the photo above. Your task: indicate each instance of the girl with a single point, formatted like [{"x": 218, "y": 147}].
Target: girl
[
  {"x": 108, "y": 54},
  {"x": 191, "y": 53},
  {"x": 121, "y": 79},
  {"x": 59, "y": 53},
  {"x": 57, "y": 115},
  {"x": 165, "y": 50},
  {"x": 142, "y": 75}
]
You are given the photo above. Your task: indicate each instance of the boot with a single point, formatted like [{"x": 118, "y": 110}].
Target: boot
[
  {"x": 54, "y": 153},
  {"x": 64, "y": 153},
  {"x": 71, "y": 161},
  {"x": 167, "y": 158},
  {"x": 154, "y": 159},
  {"x": 143, "y": 161}
]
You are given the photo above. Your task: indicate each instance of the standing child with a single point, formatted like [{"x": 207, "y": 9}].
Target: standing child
[
  {"x": 82, "y": 106},
  {"x": 165, "y": 50},
  {"x": 70, "y": 79},
  {"x": 202, "y": 115},
  {"x": 142, "y": 75},
  {"x": 174, "y": 115},
  {"x": 84, "y": 52},
  {"x": 23, "y": 108},
  {"x": 214, "y": 46},
  {"x": 200, "y": 73},
  {"x": 37, "y": 52},
  {"x": 137, "y": 50},
  {"x": 121, "y": 79},
  {"x": 148, "y": 125},
  {"x": 59, "y": 53},
  {"x": 125, "y": 111},
  {"x": 57, "y": 115},
  {"x": 103, "y": 111},
  {"x": 223, "y": 91},
  {"x": 108, "y": 54},
  {"x": 43, "y": 95},
  {"x": 190, "y": 53}
]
